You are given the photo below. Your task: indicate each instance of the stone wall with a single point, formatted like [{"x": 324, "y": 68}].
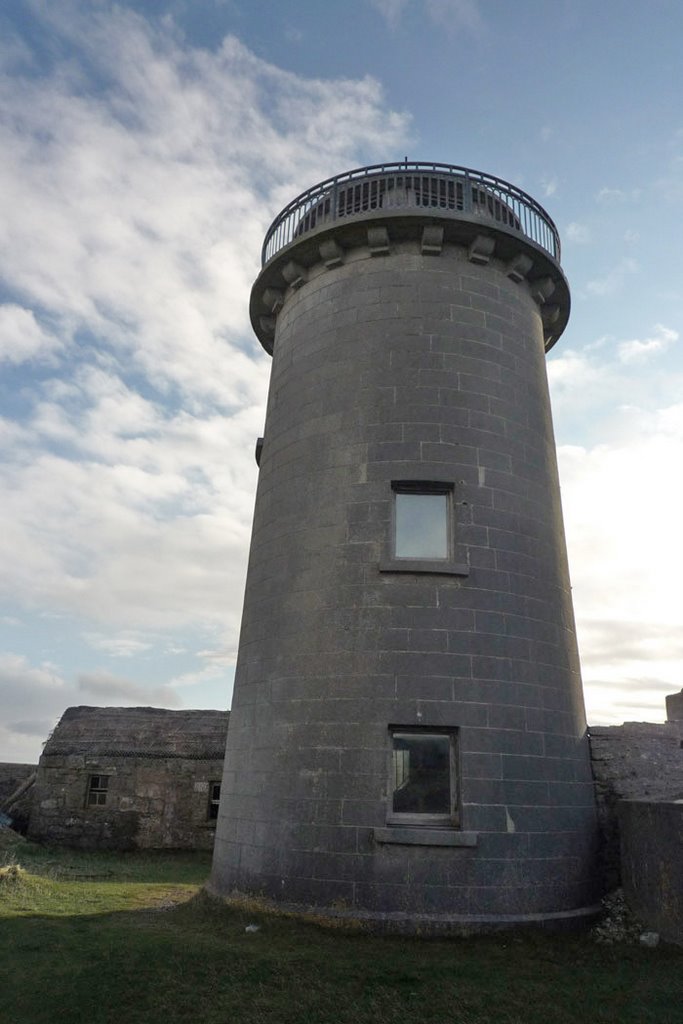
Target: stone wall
[
  {"x": 636, "y": 760},
  {"x": 126, "y": 778},
  {"x": 652, "y": 866},
  {"x": 150, "y": 803},
  {"x": 11, "y": 778},
  {"x": 16, "y": 781}
]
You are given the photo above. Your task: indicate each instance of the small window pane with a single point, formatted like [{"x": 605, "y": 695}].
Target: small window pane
[
  {"x": 421, "y": 525},
  {"x": 214, "y": 800},
  {"x": 421, "y": 774},
  {"x": 97, "y": 790}
]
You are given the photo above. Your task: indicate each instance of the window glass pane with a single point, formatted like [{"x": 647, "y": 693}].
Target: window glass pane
[
  {"x": 421, "y": 525},
  {"x": 421, "y": 774}
]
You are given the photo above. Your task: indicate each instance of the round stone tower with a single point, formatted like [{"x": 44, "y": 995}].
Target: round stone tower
[{"x": 407, "y": 742}]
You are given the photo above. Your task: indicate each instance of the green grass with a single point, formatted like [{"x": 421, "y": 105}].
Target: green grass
[{"x": 102, "y": 938}]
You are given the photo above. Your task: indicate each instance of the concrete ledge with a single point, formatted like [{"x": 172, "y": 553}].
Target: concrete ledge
[
  {"x": 423, "y": 565},
  {"x": 418, "y": 836}
]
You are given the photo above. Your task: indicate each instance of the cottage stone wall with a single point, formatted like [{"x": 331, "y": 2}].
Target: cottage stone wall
[
  {"x": 151, "y": 803},
  {"x": 159, "y": 766}
]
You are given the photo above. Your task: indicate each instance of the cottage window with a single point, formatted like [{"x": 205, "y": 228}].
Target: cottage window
[
  {"x": 214, "y": 800},
  {"x": 423, "y": 779},
  {"x": 98, "y": 787}
]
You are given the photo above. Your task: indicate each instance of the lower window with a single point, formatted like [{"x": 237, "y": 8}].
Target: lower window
[{"x": 423, "y": 786}]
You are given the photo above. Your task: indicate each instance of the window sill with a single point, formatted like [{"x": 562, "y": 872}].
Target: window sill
[
  {"x": 420, "y": 836},
  {"x": 425, "y": 565}
]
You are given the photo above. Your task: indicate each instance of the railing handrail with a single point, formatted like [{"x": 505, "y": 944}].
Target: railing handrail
[{"x": 531, "y": 220}]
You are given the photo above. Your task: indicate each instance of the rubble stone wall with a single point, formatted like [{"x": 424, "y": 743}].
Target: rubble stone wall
[
  {"x": 11, "y": 778},
  {"x": 151, "y": 803},
  {"x": 652, "y": 866},
  {"x": 636, "y": 760}
]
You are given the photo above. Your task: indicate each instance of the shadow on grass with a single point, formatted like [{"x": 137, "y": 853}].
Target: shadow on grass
[{"x": 194, "y": 961}]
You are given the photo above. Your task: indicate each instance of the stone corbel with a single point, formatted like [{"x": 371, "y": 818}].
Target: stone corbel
[
  {"x": 294, "y": 274},
  {"x": 331, "y": 253},
  {"x": 481, "y": 249},
  {"x": 273, "y": 299},
  {"x": 432, "y": 240},
  {"x": 542, "y": 288},
  {"x": 549, "y": 314},
  {"x": 518, "y": 267},
  {"x": 378, "y": 241}
]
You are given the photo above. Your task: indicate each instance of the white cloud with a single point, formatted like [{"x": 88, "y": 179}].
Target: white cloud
[
  {"x": 107, "y": 688},
  {"x": 572, "y": 372},
  {"x": 143, "y": 219},
  {"x": 130, "y": 482},
  {"x": 549, "y": 186},
  {"x": 456, "y": 14},
  {"x": 623, "y": 507},
  {"x": 614, "y": 279},
  {"x": 579, "y": 233},
  {"x": 138, "y": 179},
  {"x": 636, "y": 350},
  {"x": 391, "y": 10},
  {"x": 32, "y": 698},
  {"x": 123, "y": 644},
  {"x": 22, "y": 337},
  {"x": 618, "y": 195},
  {"x": 453, "y": 15},
  {"x": 622, "y": 498}
]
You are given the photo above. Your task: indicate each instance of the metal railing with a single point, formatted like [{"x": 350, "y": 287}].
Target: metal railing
[{"x": 422, "y": 186}]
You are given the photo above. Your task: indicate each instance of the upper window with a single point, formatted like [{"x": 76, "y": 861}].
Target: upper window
[
  {"x": 98, "y": 788},
  {"x": 422, "y": 515},
  {"x": 422, "y": 533},
  {"x": 214, "y": 800},
  {"x": 423, "y": 783}
]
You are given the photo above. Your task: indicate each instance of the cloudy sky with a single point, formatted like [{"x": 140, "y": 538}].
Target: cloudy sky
[{"x": 145, "y": 148}]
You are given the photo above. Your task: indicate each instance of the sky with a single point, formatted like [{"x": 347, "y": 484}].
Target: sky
[{"x": 145, "y": 148}]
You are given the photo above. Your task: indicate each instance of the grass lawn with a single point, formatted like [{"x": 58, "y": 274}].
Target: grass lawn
[{"x": 131, "y": 939}]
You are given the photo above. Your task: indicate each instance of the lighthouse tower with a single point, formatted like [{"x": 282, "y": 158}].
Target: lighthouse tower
[{"x": 407, "y": 742}]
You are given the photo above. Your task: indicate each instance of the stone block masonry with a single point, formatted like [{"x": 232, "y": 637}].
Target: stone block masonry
[{"x": 408, "y": 381}]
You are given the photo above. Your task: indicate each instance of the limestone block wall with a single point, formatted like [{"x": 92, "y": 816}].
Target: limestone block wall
[{"x": 408, "y": 367}]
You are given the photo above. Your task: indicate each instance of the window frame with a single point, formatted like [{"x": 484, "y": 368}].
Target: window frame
[
  {"x": 452, "y": 819},
  {"x": 422, "y": 489},
  {"x": 97, "y": 790},
  {"x": 213, "y": 802},
  {"x": 455, "y": 563}
]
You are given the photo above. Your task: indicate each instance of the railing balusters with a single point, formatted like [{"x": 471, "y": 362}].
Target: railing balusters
[{"x": 432, "y": 185}]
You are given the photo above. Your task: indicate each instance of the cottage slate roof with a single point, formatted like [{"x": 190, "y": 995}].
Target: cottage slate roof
[{"x": 140, "y": 732}]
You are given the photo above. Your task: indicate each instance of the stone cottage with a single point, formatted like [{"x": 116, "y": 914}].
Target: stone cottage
[{"x": 130, "y": 778}]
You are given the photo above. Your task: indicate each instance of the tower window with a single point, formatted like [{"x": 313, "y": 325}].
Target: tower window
[
  {"x": 422, "y": 515},
  {"x": 98, "y": 788},
  {"x": 214, "y": 800},
  {"x": 423, "y": 779},
  {"x": 422, "y": 534}
]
